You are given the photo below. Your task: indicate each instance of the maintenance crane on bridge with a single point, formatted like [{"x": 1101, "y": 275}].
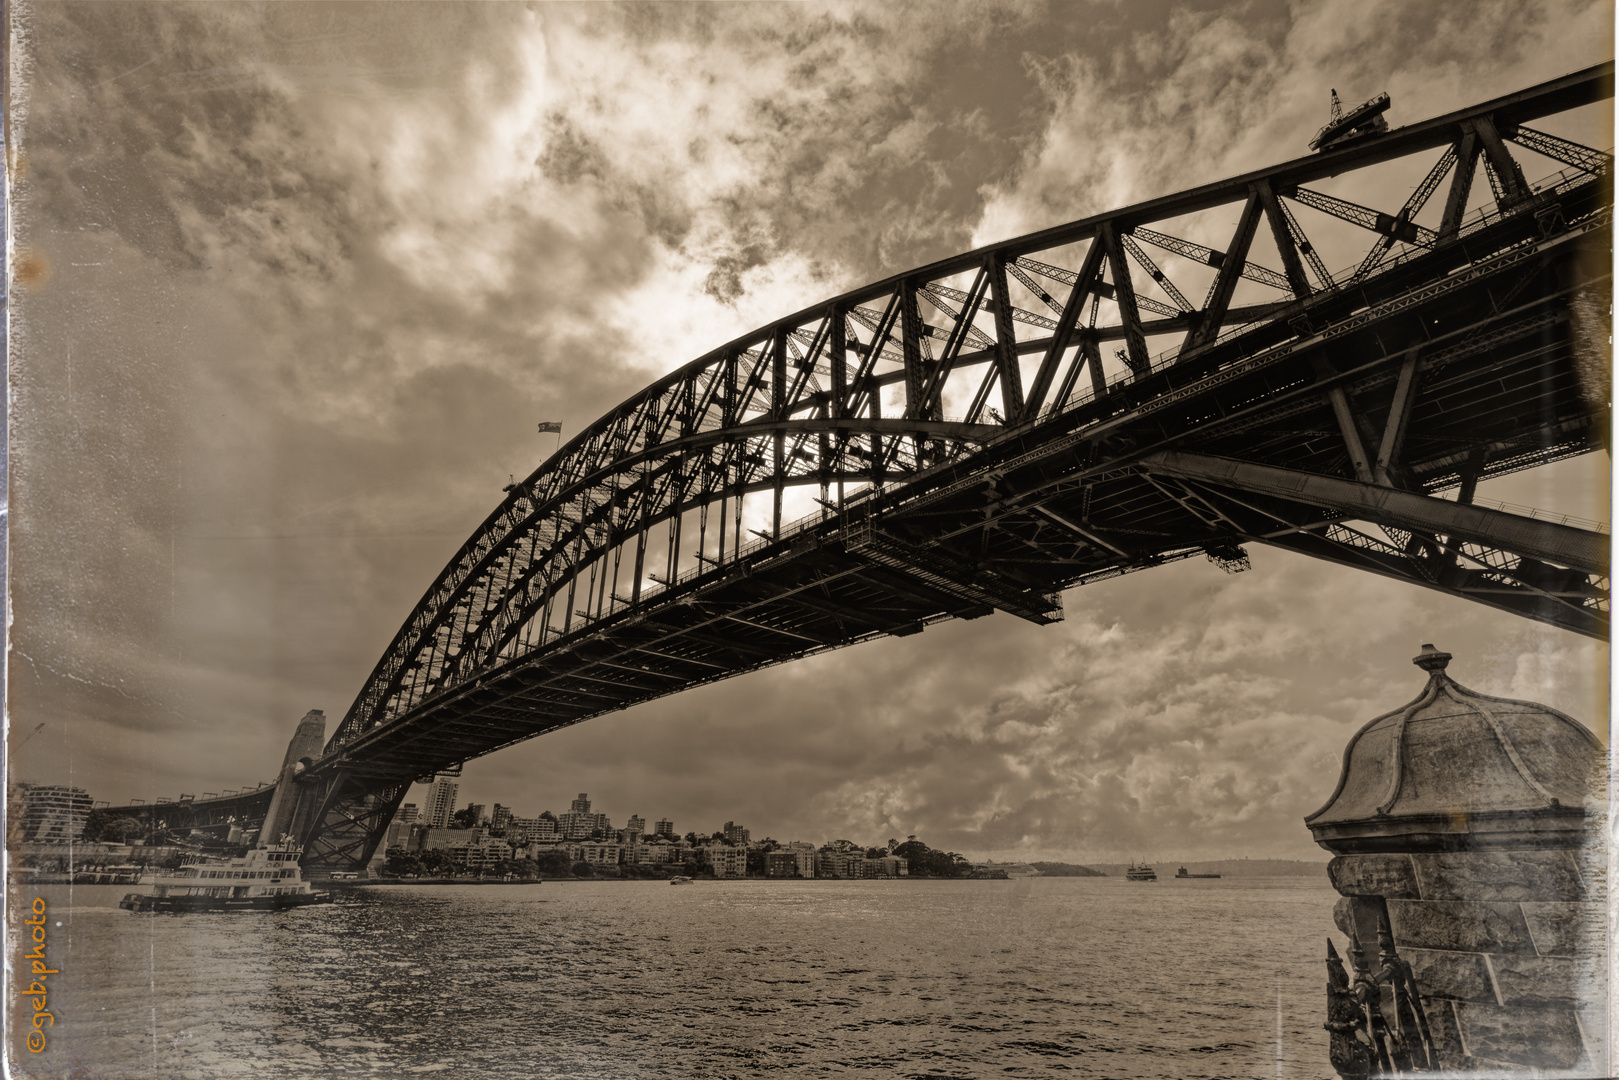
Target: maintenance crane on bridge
[{"x": 1363, "y": 120}]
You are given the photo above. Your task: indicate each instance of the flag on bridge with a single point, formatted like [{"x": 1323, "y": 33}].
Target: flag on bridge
[{"x": 550, "y": 426}]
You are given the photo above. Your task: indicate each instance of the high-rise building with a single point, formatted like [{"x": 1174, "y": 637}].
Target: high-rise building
[
  {"x": 477, "y": 814},
  {"x": 735, "y": 834},
  {"x": 636, "y": 825},
  {"x": 499, "y": 816},
  {"x": 579, "y": 823},
  {"x": 52, "y": 813},
  {"x": 407, "y": 814},
  {"x": 582, "y": 826},
  {"x": 441, "y": 802},
  {"x": 664, "y": 827}
]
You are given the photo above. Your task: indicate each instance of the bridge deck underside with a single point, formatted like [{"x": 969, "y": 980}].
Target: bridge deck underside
[
  {"x": 1449, "y": 368},
  {"x": 215, "y": 816}
]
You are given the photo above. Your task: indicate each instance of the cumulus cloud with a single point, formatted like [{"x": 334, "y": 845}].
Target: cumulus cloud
[{"x": 1220, "y": 91}]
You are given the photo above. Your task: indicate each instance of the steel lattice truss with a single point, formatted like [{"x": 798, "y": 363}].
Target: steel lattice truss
[{"x": 985, "y": 432}]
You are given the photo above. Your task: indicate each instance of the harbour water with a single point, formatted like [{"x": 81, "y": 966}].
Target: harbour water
[{"x": 1043, "y": 977}]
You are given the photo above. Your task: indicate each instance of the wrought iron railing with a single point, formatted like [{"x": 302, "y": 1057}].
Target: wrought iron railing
[{"x": 1375, "y": 1019}]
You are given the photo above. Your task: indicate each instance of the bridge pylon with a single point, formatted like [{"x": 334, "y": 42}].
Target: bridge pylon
[{"x": 306, "y": 746}]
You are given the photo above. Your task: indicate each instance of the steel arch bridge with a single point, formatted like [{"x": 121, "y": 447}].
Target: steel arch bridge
[{"x": 988, "y": 431}]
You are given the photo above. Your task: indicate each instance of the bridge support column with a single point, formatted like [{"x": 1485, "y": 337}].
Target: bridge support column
[
  {"x": 346, "y": 820},
  {"x": 306, "y": 745}
]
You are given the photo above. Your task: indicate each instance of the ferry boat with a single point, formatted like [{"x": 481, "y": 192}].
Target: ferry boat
[
  {"x": 1140, "y": 873},
  {"x": 266, "y": 879}
]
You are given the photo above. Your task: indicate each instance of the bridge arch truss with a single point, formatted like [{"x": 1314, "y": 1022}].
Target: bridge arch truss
[{"x": 985, "y": 432}]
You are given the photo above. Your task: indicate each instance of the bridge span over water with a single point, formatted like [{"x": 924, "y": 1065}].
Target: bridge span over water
[{"x": 986, "y": 432}]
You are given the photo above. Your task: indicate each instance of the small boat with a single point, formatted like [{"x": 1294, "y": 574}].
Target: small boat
[
  {"x": 1140, "y": 873},
  {"x": 264, "y": 879},
  {"x": 1363, "y": 120},
  {"x": 680, "y": 879},
  {"x": 1181, "y": 873}
]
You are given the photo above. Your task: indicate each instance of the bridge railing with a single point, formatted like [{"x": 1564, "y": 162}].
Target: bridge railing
[{"x": 1546, "y": 515}]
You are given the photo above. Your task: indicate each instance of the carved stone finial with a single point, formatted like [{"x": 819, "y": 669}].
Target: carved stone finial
[{"x": 1431, "y": 659}]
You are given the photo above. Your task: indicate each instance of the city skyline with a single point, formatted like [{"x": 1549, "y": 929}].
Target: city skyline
[{"x": 305, "y": 280}]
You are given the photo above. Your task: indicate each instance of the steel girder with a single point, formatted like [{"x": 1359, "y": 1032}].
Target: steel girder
[
  {"x": 1443, "y": 355},
  {"x": 1545, "y": 570},
  {"x": 1566, "y": 545},
  {"x": 341, "y": 821}
]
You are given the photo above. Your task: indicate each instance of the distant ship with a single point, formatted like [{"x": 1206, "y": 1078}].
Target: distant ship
[
  {"x": 1140, "y": 873},
  {"x": 1181, "y": 873}
]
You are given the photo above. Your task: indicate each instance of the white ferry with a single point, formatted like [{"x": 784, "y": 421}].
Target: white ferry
[{"x": 265, "y": 878}]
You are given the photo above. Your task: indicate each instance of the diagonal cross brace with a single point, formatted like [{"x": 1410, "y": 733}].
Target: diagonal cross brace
[{"x": 1564, "y": 545}]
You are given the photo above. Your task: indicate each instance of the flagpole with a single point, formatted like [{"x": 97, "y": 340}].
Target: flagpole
[{"x": 553, "y": 427}]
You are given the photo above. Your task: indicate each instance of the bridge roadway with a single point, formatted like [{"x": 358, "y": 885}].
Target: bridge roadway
[{"x": 1325, "y": 417}]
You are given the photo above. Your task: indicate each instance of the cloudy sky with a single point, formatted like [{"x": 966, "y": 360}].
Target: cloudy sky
[{"x": 294, "y": 284}]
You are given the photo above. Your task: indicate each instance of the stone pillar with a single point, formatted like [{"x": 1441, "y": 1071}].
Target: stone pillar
[
  {"x": 306, "y": 745},
  {"x": 1468, "y": 830}
]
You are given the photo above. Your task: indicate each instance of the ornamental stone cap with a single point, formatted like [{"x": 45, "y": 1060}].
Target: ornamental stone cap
[{"x": 1456, "y": 770}]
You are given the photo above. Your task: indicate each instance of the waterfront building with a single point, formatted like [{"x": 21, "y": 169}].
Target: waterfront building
[
  {"x": 890, "y": 866},
  {"x": 651, "y": 853},
  {"x": 441, "y": 802},
  {"x": 727, "y": 861},
  {"x": 735, "y": 834},
  {"x": 596, "y": 854},
  {"x": 499, "y": 816},
  {"x": 645, "y": 855},
  {"x": 476, "y": 814},
  {"x": 664, "y": 827},
  {"x": 484, "y": 852},
  {"x": 536, "y": 848},
  {"x": 836, "y": 862},
  {"x": 781, "y": 864},
  {"x": 407, "y": 814},
  {"x": 526, "y": 830},
  {"x": 636, "y": 826},
  {"x": 52, "y": 813},
  {"x": 432, "y": 839}
]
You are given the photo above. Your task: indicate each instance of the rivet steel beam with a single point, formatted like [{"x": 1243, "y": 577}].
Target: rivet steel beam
[{"x": 1564, "y": 545}]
